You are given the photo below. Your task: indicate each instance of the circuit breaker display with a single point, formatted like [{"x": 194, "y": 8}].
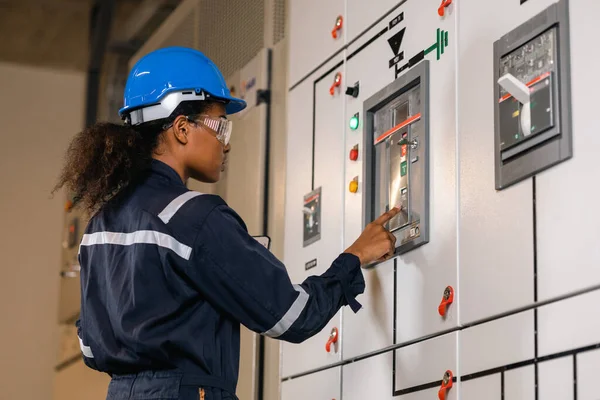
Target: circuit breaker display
[
  {"x": 396, "y": 167},
  {"x": 532, "y": 97}
]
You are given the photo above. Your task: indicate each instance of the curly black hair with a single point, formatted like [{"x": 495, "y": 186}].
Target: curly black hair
[{"x": 105, "y": 158}]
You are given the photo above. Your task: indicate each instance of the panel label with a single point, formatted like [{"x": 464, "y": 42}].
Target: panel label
[{"x": 310, "y": 265}]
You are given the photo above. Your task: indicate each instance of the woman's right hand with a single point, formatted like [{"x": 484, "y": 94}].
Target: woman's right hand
[{"x": 375, "y": 243}]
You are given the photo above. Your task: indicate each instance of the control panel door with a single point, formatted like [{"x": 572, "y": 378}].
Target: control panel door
[
  {"x": 567, "y": 187},
  {"x": 317, "y": 31},
  {"x": 365, "y": 75},
  {"x": 371, "y": 378},
  {"x": 496, "y": 228},
  {"x": 314, "y": 199},
  {"x": 483, "y": 263},
  {"x": 406, "y": 87}
]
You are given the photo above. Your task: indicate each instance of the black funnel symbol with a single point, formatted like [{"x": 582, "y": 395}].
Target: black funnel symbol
[{"x": 396, "y": 41}]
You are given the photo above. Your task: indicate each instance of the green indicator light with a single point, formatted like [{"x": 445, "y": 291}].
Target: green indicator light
[
  {"x": 517, "y": 136},
  {"x": 354, "y": 122}
]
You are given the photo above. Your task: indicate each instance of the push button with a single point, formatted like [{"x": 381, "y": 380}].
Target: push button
[
  {"x": 354, "y": 185},
  {"x": 354, "y": 153}
]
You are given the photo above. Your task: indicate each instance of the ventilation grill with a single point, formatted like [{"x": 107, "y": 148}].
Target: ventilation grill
[
  {"x": 231, "y": 35},
  {"x": 279, "y": 16},
  {"x": 183, "y": 35}
]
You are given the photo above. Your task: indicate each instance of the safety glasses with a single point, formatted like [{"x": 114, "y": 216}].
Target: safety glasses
[{"x": 221, "y": 126}]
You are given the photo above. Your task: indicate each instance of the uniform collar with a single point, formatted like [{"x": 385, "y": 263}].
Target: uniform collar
[{"x": 164, "y": 170}]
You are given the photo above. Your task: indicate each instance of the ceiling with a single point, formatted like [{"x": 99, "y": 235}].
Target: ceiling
[{"x": 56, "y": 33}]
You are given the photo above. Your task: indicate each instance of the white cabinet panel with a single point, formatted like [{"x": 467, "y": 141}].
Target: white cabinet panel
[
  {"x": 555, "y": 379},
  {"x": 328, "y": 175},
  {"x": 426, "y": 361},
  {"x": 497, "y": 343},
  {"x": 569, "y": 324},
  {"x": 488, "y": 388},
  {"x": 424, "y": 273},
  {"x": 372, "y": 328},
  {"x": 311, "y": 23},
  {"x": 372, "y": 378},
  {"x": 369, "y": 379},
  {"x": 299, "y": 173},
  {"x": 519, "y": 384},
  {"x": 588, "y": 365},
  {"x": 568, "y": 250},
  {"x": 324, "y": 385},
  {"x": 496, "y": 228}
]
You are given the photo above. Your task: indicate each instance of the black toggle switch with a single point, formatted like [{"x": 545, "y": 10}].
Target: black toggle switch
[{"x": 353, "y": 90}]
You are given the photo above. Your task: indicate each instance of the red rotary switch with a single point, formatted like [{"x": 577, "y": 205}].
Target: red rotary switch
[
  {"x": 442, "y": 9},
  {"x": 338, "y": 25},
  {"x": 446, "y": 385},
  {"x": 333, "y": 338},
  {"x": 354, "y": 153},
  {"x": 447, "y": 299},
  {"x": 337, "y": 81}
]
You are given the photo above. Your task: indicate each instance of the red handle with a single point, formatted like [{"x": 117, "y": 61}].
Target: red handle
[
  {"x": 442, "y": 9},
  {"x": 446, "y": 385},
  {"x": 336, "y": 83},
  {"x": 333, "y": 338},
  {"x": 339, "y": 22},
  {"x": 446, "y": 301}
]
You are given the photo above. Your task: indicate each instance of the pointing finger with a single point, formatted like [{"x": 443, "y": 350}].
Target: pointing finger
[{"x": 385, "y": 217}]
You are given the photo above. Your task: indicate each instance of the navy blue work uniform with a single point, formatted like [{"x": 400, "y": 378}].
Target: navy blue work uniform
[{"x": 167, "y": 277}]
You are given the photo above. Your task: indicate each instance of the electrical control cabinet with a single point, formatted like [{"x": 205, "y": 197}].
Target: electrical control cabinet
[
  {"x": 532, "y": 96},
  {"x": 504, "y": 247},
  {"x": 396, "y": 168}
]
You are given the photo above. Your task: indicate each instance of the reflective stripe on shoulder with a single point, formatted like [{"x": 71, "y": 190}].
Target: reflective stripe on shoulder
[
  {"x": 291, "y": 315},
  {"x": 138, "y": 237},
  {"x": 86, "y": 350},
  {"x": 172, "y": 208}
]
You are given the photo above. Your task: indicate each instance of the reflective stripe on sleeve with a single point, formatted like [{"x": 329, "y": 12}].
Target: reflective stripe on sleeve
[
  {"x": 291, "y": 315},
  {"x": 86, "y": 350}
]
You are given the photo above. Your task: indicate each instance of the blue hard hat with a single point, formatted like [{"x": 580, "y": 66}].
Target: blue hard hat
[{"x": 162, "y": 79}]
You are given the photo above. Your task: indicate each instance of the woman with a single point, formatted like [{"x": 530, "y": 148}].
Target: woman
[{"x": 167, "y": 274}]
